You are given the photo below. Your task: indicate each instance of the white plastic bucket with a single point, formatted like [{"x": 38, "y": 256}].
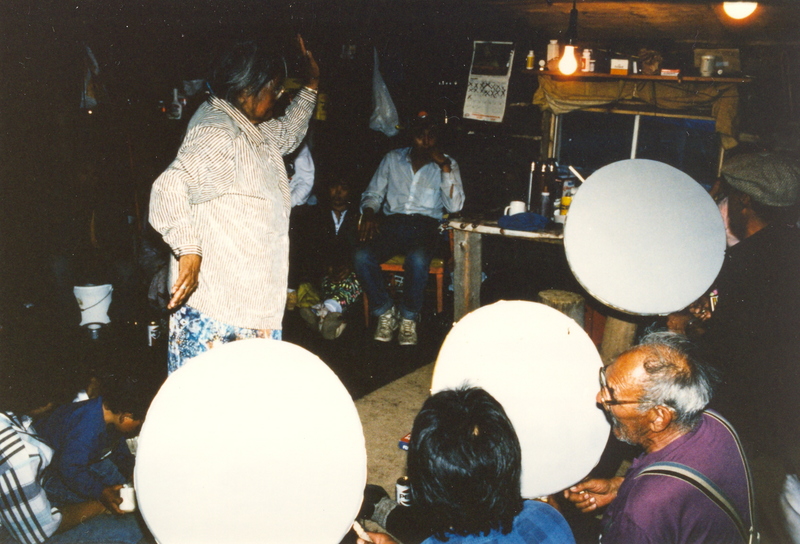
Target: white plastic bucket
[{"x": 93, "y": 301}]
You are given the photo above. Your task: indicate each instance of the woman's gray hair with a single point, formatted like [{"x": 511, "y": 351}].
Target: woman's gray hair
[
  {"x": 245, "y": 68},
  {"x": 676, "y": 377}
]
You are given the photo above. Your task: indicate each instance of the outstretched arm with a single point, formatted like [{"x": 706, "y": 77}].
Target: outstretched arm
[{"x": 594, "y": 493}]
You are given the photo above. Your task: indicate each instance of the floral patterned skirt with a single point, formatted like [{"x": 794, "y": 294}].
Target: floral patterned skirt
[{"x": 192, "y": 333}]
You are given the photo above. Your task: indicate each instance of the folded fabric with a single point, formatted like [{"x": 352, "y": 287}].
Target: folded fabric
[{"x": 528, "y": 221}]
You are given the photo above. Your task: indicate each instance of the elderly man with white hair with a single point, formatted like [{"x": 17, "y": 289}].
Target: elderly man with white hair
[{"x": 691, "y": 482}]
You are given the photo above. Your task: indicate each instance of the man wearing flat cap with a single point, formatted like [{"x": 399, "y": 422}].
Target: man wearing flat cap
[{"x": 753, "y": 333}]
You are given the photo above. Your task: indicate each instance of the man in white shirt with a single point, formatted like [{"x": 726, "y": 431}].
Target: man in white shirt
[{"x": 411, "y": 187}]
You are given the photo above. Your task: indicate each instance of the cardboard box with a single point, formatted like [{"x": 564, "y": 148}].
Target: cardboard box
[
  {"x": 619, "y": 67},
  {"x": 727, "y": 60}
]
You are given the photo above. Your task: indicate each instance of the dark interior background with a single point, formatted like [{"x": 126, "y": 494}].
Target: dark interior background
[{"x": 146, "y": 48}]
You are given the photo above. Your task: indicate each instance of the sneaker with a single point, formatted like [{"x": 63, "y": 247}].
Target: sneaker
[
  {"x": 387, "y": 324},
  {"x": 408, "y": 333}
]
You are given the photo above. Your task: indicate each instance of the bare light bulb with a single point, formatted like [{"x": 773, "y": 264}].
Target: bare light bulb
[
  {"x": 739, "y": 10},
  {"x": 568, "y": 63}
]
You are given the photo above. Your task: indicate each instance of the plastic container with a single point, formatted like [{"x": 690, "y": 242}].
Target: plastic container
[
  {"x": 530, "y": 60},
  {"x": 586, "y": 60},
  {"x": 553, "y": 50}
]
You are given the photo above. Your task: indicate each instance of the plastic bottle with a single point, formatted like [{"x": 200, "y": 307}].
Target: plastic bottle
[
  {"x": 529, "y": 60},
  {"x": 586, "y": 60},
  {"x": 552, "y": 50},
  {"x": 566, "y": 200}
]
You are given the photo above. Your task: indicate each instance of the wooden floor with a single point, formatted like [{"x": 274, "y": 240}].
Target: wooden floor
[{"x": 362, "y": 364}]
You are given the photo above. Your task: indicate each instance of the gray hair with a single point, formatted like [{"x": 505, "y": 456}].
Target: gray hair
[
  {"x": 676, "y": 377},
  {"x": 245, "y": 68}
]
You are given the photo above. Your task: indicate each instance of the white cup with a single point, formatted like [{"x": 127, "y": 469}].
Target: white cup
[
  {"x": 516, "y": 206},
  {"x": 128, "y": 495}
]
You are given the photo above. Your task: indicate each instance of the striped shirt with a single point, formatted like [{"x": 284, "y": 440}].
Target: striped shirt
[
  {"x": 226, "y": 197},
  {"x": 404, "y": 191},
  {"x": 25, "y": 511}
]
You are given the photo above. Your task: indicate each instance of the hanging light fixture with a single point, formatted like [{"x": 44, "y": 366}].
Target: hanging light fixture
[
  {"x": 568, "y": 63},
  {"x": 739, "y": 10}
]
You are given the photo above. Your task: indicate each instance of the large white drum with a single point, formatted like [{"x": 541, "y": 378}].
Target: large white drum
[
  {"x": 543, "y": 368},
  {"x": 253, "y": 441},
  {"x": 644, "y": 237}
]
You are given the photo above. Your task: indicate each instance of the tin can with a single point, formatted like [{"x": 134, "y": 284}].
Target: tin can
[
  {"x": 708, "y": 63},
  {"x": 403, "y": 491},
  {"x": 153, "y": 332}
]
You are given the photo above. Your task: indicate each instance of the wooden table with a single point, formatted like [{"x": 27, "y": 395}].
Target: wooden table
[
  {"x": 468, "y": 257},
  {"x": 468, "y": 236}
]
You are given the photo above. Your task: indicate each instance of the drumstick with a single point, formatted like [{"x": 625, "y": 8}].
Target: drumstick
[{"x": 362, "y": 534}]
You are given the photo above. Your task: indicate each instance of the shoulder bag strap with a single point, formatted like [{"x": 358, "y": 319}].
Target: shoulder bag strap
[
  {"x": 702, "y": 483},
  {"x": 754, "y": 536}
]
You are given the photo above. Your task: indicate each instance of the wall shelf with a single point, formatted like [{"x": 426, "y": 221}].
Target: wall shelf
[{"x": 595, "y": 76}]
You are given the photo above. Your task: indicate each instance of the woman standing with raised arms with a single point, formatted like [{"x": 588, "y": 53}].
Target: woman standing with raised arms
[{"x": 223, "y": 204}]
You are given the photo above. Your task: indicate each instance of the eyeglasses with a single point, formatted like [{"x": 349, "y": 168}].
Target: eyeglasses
[{"x": 605, "y": 392}]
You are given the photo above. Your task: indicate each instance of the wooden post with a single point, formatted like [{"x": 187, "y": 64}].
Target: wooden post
[
  {"x": 566, "y": 302},
  {"x": 618, "y": 336},
  {"x": 467, "y": 251}
]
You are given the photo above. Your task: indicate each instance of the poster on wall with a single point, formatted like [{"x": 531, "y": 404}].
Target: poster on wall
[{"x": 487, "y": 88}]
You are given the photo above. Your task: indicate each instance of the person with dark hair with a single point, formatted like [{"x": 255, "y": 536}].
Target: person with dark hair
[
  {"x": 27, "y": 513},
  {"x": 329, "y": 286},
  {"x": 225, "y": 202},
  {"x": 464, "y": 468},
  {"x": 92, "y": 459},
  {"x": 654, "y": 395},
  {"x": 411, "y": 186}
]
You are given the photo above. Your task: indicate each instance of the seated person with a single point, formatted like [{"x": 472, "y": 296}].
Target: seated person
[
  {"x": 464, "y": 467},
  {"x": 411, "y": 186},
  {"x": 655, "y": 394},
  {"x": 27, "y": 514},
  {"x": 92, "y": 460},
  {"x": 329, "y": 284}
]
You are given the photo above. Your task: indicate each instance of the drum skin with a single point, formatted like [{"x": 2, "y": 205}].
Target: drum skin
[
  {"x": 543, "y": 368},
  {"x": 241, "y": 441},
  {"x": 644, "y": 237}
]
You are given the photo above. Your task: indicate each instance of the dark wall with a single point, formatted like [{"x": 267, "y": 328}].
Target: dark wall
[{"x": 146, "y": 48}]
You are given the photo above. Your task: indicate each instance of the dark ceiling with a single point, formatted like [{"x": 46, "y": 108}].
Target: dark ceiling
[{"x": 163, "y": 39}]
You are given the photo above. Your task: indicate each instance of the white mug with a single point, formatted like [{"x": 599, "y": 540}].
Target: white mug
[
  {"x": 128, "y": 495},
  {"x": 516, "y": 206}
]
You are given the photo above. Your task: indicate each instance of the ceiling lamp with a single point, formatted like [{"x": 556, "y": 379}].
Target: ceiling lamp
[
  {"x": 739, "y": 10},
  {"x": 568, "y": 63}
]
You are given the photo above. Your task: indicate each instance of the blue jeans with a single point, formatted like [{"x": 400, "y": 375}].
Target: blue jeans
[
  {"x": 105, "y": 529},
  {"x": 102, "y": 529},
  {"x": 59, "y": 492},
  {"x": 416, "y": 237}
]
